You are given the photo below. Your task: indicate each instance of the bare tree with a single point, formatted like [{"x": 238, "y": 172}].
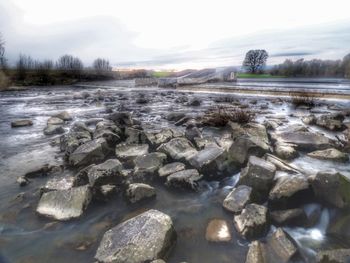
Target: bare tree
[
  {"x": 346, "y": 66},
  {"x": 70, "y": 65},
  {"x": 2, "y": 52},
  {"x": 101, "y": 65},
  {"x": 255, "y": 60},
  {"x": 24, "y": 64}
]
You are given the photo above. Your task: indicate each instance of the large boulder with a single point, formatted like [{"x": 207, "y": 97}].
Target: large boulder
[
  {"x": 78, "y": 135},
  {"x": 252, "y": 222},
  {"x": 53, "y": 129},
  {"x": 289, "y": 189},
  {"x": 64, "y": 204},
  {"x": 149, "y": 163},
  {"x": 58, "y": 183},
  {"x": 208, "y": 160},
  {"x": 146, "y": 237},
  {"x": 259, "y": 175},
  {"x": 332, "y": 188},
  {"x": 218, "y": 230},
  {"x": 285, "y": 150},
  {"x": 184, "y": 179},
  {"x": 89, "y": 152},
  {"x": 237, "y": 199},
  {"x": 64, "y": 115},
  {"x": 303, "y": 140},
  {"x": 121, "y": 118},
  {"x": 170, "y": 168},
  {"x": 331, "y": 154},
  {"x": 178, "y": 149},
  {"x": 129, "y": 152},
  {"x": 138, "y": 191}
]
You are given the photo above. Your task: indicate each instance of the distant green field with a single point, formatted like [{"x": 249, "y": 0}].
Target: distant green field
[
  {"x": 256, "y": 76},
  {"x": 161, "y": 74}
]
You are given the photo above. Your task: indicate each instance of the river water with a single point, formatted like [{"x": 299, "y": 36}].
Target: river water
[{"x": 27, "y": 237}]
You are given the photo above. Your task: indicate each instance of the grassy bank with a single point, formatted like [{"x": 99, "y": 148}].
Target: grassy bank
[{"x": 257, "y": 76}]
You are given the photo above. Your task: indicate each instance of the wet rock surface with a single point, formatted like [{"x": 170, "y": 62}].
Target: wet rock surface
[
  {"x": 146, "y": 237},
  {"x": 138, "y": 191},
  {"x": 218, "y": 230},
  {"x": 237, "y": 199},
  {"x": 184, "y": 179},
  {"x": 171, "y": 168}
]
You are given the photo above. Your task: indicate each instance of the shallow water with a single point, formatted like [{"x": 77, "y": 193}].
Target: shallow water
[{"x": 26, "y": 237}]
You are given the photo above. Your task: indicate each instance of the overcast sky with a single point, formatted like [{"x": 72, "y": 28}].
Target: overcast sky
[{"x": 175, "y": 34}]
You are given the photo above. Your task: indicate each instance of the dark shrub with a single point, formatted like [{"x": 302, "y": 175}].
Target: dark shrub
[{"x": 220, "y": 116}]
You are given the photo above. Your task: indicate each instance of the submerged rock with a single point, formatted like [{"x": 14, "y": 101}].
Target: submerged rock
[
  {"x": 129, "y": 152},
  {"x": 138, "y": 191},
  {"x": 237, "y": 199},
  {"x": 178, "y": 149},
  {"x": 218, "y": 230},
  {"x": 331, "y": 154},
  {"x": 256, "y": 253},
  {"x": 259, "y": 175},
  {"x": 55, "y": 121},
  {"x": 64, "y": 115},
  {"x": 332, "y": 188},
  {"x": 22, "y": 181},
  {"x": 64, "y": 204},
  {"x": 89, "y": 152},
  {"x": 146, "y": 237},
  {"x": 170, "y": 169},
  {"x": 252, "y": 222},
  {"x": 184, "y": 179},
  {"x": 21, "y": 123},
  {"x": 149, "y": 163}
]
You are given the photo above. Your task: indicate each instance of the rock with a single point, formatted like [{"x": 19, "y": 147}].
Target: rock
[
  {"x": 309, "y": 120},
  {"x": 170, "y": 169},
  {"x": 104, "y": 173},
  {"x": 143, "y": 238},
  {"x": 38, "y": 172},
  {"x": 202, "y": 142},
  {"x": 218, "y": 230},
  {"x": 149, "y": 163},
  {"x": 339, "y": 255},
  {"x": 22, "y": 181},
  {"x": 289, "y": 217},
  {"x": 58, "y": 183},
  {"x": 178, "y": 149},
  {"x": 256, "y": 253},
  {"x": 208, "y": 160},
  {"x": 195, "y": 102},
  {"x": 237, "y": 199},
  {"x": 155, "y": 139},
  {"x": 78, "y": 135},
  {"x": 289, "y": 189},
  {"x": 331, "y": 154},
  {"x": 21, "y": 123},
  {"x": 184, "y": 179},
  {"x": 282, "y": 247},
  {"x": 282, "y": 165},
  {"x": 137, "y": 192},
  {"x": 64, "y": 115},
  {"x": 53, "y": 129},
  {"x": 175, "y": 116},
  {"x": 330, "y": 122},
  {"x": 192, "y": 132},
  {"x": 106, "y": 192},
  {"x": 259, "y": 175},
  {"x": 109, "y": 131},
  {"x": 89, "y": 152},
  {"x": 304, "y": 140},
  {"x": 64, "y": 204},
  {"x": 332, "y": 188},
  {"x": 130, "y": 151},
  {"x": 55, "y": 121},
  {"x": 286, "y": 151},
  {"x": 134, "y": 136},
  {"x": 121, "y": 118},
  {"x": 249, "y": 139},
  {"x": 252, "y": 222}
]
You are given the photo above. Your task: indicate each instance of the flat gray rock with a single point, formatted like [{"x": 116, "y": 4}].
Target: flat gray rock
[
  {"x": 146, "y": 237},
  {"x": 89, "y": 152},
  {"x": 184, "y": 179},
  {"x": 130, "y": 151},
  {"x": 171, "y": 168},
  {"x": 237, "y": 199}
]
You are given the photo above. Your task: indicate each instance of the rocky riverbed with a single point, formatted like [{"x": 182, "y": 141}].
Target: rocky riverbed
[{"x": 123, "y": 174}]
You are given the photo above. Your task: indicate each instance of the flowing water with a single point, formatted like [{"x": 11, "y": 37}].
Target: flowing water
[{"x": 27, "y": 237}]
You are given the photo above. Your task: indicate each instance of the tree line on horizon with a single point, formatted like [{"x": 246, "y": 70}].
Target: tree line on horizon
[{"x": 255, "y": 62}]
